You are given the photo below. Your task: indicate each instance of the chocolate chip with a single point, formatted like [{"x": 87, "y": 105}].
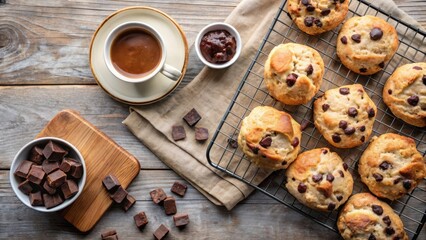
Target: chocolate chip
[
  {"x": 325, "y": 12},
  {"x": 325, "y": 107},
  {"x": 384, "y": 165},
  {"x": 331, "y": 206},
  {"x": 339, "y": 198},
  {"x": 309, "y": 69},
  {"x": 371, "y": 113},
  {"x": 352, "y": 112},
  {"x": 318, "y": 22},
  {"x": 372, "y": 237},
  {"x": 377, "y": 209},
  {"x": 413, "y": 100},
  {"x": 324, "y": 151},
  {"x": 382, "y": 64},
  {"x": 266, "y": 142},
  {"x": 341, "y": 173},
  {"x": 305, "y": 2},
  {"x": 387, "y": 220},
  {"x": 349, "y": 130},
  {"x": 336, "y": 138},
  {"x": 345, "y": 166},
  {"x": 389, "y": 230},
  {"x": 417, "y": 68},
  {"x": 344, "y": 91},
  {"x": 284, "y": 163},
  {"x": 232, "y": 142},
  {"x": 343, "y": 124},
  {"x": 356, "y": 38},
  {"x": 291, "y": 79},
  {"x": 424, "y": 79},
  {"x": 295, "y": 142},
  {"x": 378, "y": 177},
  {"x": 406, "y": 184},
  {"x": 390, "y": 91},
  {"x": 376, "y": 34},
  {"x": 344, "y": 40},
  {"x": 396, "y": 181},
  {"x": 363, "y": 70},
  {"x": 330, "y": 177},
  {"x": 362, "y": 139},
  {"x": 362, "y": 128},
  {"x": 302, "y": 188},
  {"x": 254, "y": 149},
  {"x": 309, "y": 21},
  {"x": 317, "y": 178},
  {"x": 310, "y": 8}
]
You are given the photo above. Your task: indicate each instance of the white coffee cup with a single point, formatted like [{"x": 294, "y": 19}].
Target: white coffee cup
[{"x": 163, "y": 68}]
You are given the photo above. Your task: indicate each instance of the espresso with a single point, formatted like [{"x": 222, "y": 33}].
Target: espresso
[{"x": 135, "y": 53}]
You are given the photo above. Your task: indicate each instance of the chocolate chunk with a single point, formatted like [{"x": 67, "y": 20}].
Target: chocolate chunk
[
  {"x": 413, "y": 100},
  {"x": 181, "y": 219},
  {"x": 232, "y": 142},
  {"x": 140, "y": 219},
  {"x": 382, "y": 64},
  {"x": 66, "y": 164},
  {"x": 377, "y": 209},
  {"x": 317, "y": 178},
  {"x": 302, "y": 188},
  {"x": 344, "y": 40},
  {"x": 325, "y": 107},
  {"x": 339, "y": 197},
  {"x": 376, "y": 34},
  {"x": 179, "y": 188},
  {"x": 295, "y": 142},
  {"x": 69, "y": 189},
  {"x": 192, "y": 117},
  {"x": 324, "y": 151},
  {"x": 36, "y": 155},
  {"x": 362, "y": 128},
  {"x": 49, "y": 166},
  {"x": 396, "y": 181},
  {"x": 309, "y": 21},
  {"x": 51, "y": 201},
  {"x": 305, "y": 124},
  {"x": 356, "y": 38},
  {"x": 336, "y": 138},
  {"x": 345, "y": 166},
  {"x": 362, "y": 139},
  {"x": 201, "y": 134},
  {"x": 23, "y": 169},
  {"x": 128, "y": 202},
  {"x": 325, "y": 12},
  {"x": 53, "y": 152},
  {"x": 158, "y": 195},
  {"x": 254, "y": 149},
  {"x": 386, "y": 220},
  {"x": 343, "y": 124},
  {"x": 309, "y": 69},
  {"x": 25, "y": 187},
  {"x": 36, "y": 199},
  {"x": 349, "y": 130},
  {"x": 341, "y": 173},
  {"x": 291, "y": 79},
  {"x": 384, "y": 165},
  {"x": 48, "y": 189},
  {"x": 372, "y": 237},
  {"x": 389, "y": 230},
  {"x": 56, "y": 178},
  {"x": 178, "y": 132},
  {"x": 310, "y": 8},
  {"x": 119, "y": 195},
  {"x": 266, "y": 142},
  {"x": 417, "y": 68},
  {"x": 424, "y": 79},
  {"x": 390, "y": 91},
  {"x": 170, "y": 205},
  {"x": 161, "y": 232},
  {"x": 284, "y": 163},
  {"x": 108, "y": 233},
  {"x": 318, "y": 22},
  {"x": 352, "y": 112},
  {"x": 378, "y": 177},
  {"x": 371, "y": 113},
  {"x": 363, "y": 70},
  {"x": 112, "y": 237},
  {"x": 407, "y": 184},
  {"x": 76, "y": 170},
  {"x": 111, "y": 183},
  {"x": 36, "y": 174},
  {"x": 344, "y": 91},
  {"x": 331, "y": 206},
  {"x": 305, "y": 2},
  {"x": 330, "y": 177}
]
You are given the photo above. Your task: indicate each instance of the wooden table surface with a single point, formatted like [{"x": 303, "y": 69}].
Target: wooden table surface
[{"x": 44, "y": 68}]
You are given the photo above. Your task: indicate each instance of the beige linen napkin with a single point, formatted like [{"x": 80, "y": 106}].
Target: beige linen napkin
[{"x": 210, "y": 93}]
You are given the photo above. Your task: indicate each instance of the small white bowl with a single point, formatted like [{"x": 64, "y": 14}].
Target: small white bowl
[
  {"x": 214, "y": 27},
  {"x": 23, "y": 154}
]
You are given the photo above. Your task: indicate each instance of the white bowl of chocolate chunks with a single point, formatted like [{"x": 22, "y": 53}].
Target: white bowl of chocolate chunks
[{"x": 48, "y": 174}]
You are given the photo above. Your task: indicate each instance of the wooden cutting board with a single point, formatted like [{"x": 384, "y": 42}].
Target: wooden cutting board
[{"x": 102, "y": 156}]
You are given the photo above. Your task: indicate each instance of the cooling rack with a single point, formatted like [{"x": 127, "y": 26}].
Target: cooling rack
[{"x": 223, "y": 154}]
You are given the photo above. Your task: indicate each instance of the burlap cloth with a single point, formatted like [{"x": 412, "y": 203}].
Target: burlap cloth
[{"x": 210, "y": 93}]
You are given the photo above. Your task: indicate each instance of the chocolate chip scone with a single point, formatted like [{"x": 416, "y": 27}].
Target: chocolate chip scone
[
  {"x": 270, "y": 138},
  {"x": 293, "y": 73},
  {"x": 405, "y": 93},
  {"x": 345, "y": 116},
  {"x": 319, "y": 179},
  {"x": 365, "y": 44},
  {"x": 391, "y": 166},
  {"x": 317, "y": 16},
  {"x": 366, "y": 217}
]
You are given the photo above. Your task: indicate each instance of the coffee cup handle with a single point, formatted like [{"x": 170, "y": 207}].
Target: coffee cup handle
[{"x": 171, "y": 72}]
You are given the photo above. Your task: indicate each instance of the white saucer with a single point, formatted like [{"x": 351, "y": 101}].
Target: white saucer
[{"x": 158, "y": 87}]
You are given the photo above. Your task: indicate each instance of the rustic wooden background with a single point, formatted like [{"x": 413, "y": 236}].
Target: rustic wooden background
[{"x": 44, "y": 47}]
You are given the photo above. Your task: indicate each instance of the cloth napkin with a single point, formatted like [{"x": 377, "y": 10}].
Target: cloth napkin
[{"x": 210, "y": 94}]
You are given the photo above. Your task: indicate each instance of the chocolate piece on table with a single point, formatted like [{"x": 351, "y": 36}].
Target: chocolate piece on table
[
  {"x": 108, "y": 233},
  {"x": 112, "y": 237},
  {"x": 119, "y": 195},
  {"x": 178, "y": 132},
  {"x": 36, "y": 199},
  {"x": 201, "y": 134},
  {"x": 192, "y": 117},
  {"x": 56, "y": 178},
  {"x": 76, "y": 170},
  {"x": 36, "y": 174},
  {"x": 161, "y": 232},
  {"x": 25, "y": 187},
  {"x": 179, "y": 188},
  {"x": 23, "y": 169},
  {"x": 48, "y": 189},
  {"x": 128, "y": 202},
  {"x": 49, "y": 166},
  {"x": 158, "y": 195},
  {"x": 53, "y": 152},
  {"x": 51, "y": 201},
  {"x": 140, "y": 219},
  {"x": 111, "y": 183},
  {"x": 69, "y": 188},
  {"x": 36, "y": 155},
  {"x": 66, "y": 164},
  {"x": 170, "y": 205},
  {"x": 181, "y": 219}
]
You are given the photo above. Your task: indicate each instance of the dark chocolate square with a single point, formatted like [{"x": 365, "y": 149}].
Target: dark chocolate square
[
  {"x": 25, "y": 187},
  {"x": 76, "y": 170},
  {"x": 53, "y": 152},
  {"x": 192, "y": 117},
  {"x": 170, "y": 205},
  {"x": 181, "y": 219},
  {"x": 158, "y": 195},
  {"x": 140, "y": 219},
  {"x": 36, "y": 155},
  {"x": 119, "y": 195},
  {"x": 56, "y": 178},
  {"x": 51, "y": 201},
  {"x": 179, "y": 188},
  {"x": 111, "y": 183},
  {"x": 23, "y": 169},
  {"x": 128, "y": 202},
  {"x": 69, "y": 189},
  {"x": 49, "y": 166},
  {"x": 48, "y": 189},
  {"x": 36, "y": 174},
  {"x": 161, "y": 232},
  {"x": 66, "y": 164},
  {"x": 201, "y": 134},
  {"x": 178, "y": 132},
  {"x": 36, "y": 199}
]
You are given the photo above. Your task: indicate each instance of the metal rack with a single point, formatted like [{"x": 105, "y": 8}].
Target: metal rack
[{"x": 251, "y": 92}]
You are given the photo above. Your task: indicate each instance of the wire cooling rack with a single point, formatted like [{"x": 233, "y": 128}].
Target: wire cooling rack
[{"x": 223, "y": 154}]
